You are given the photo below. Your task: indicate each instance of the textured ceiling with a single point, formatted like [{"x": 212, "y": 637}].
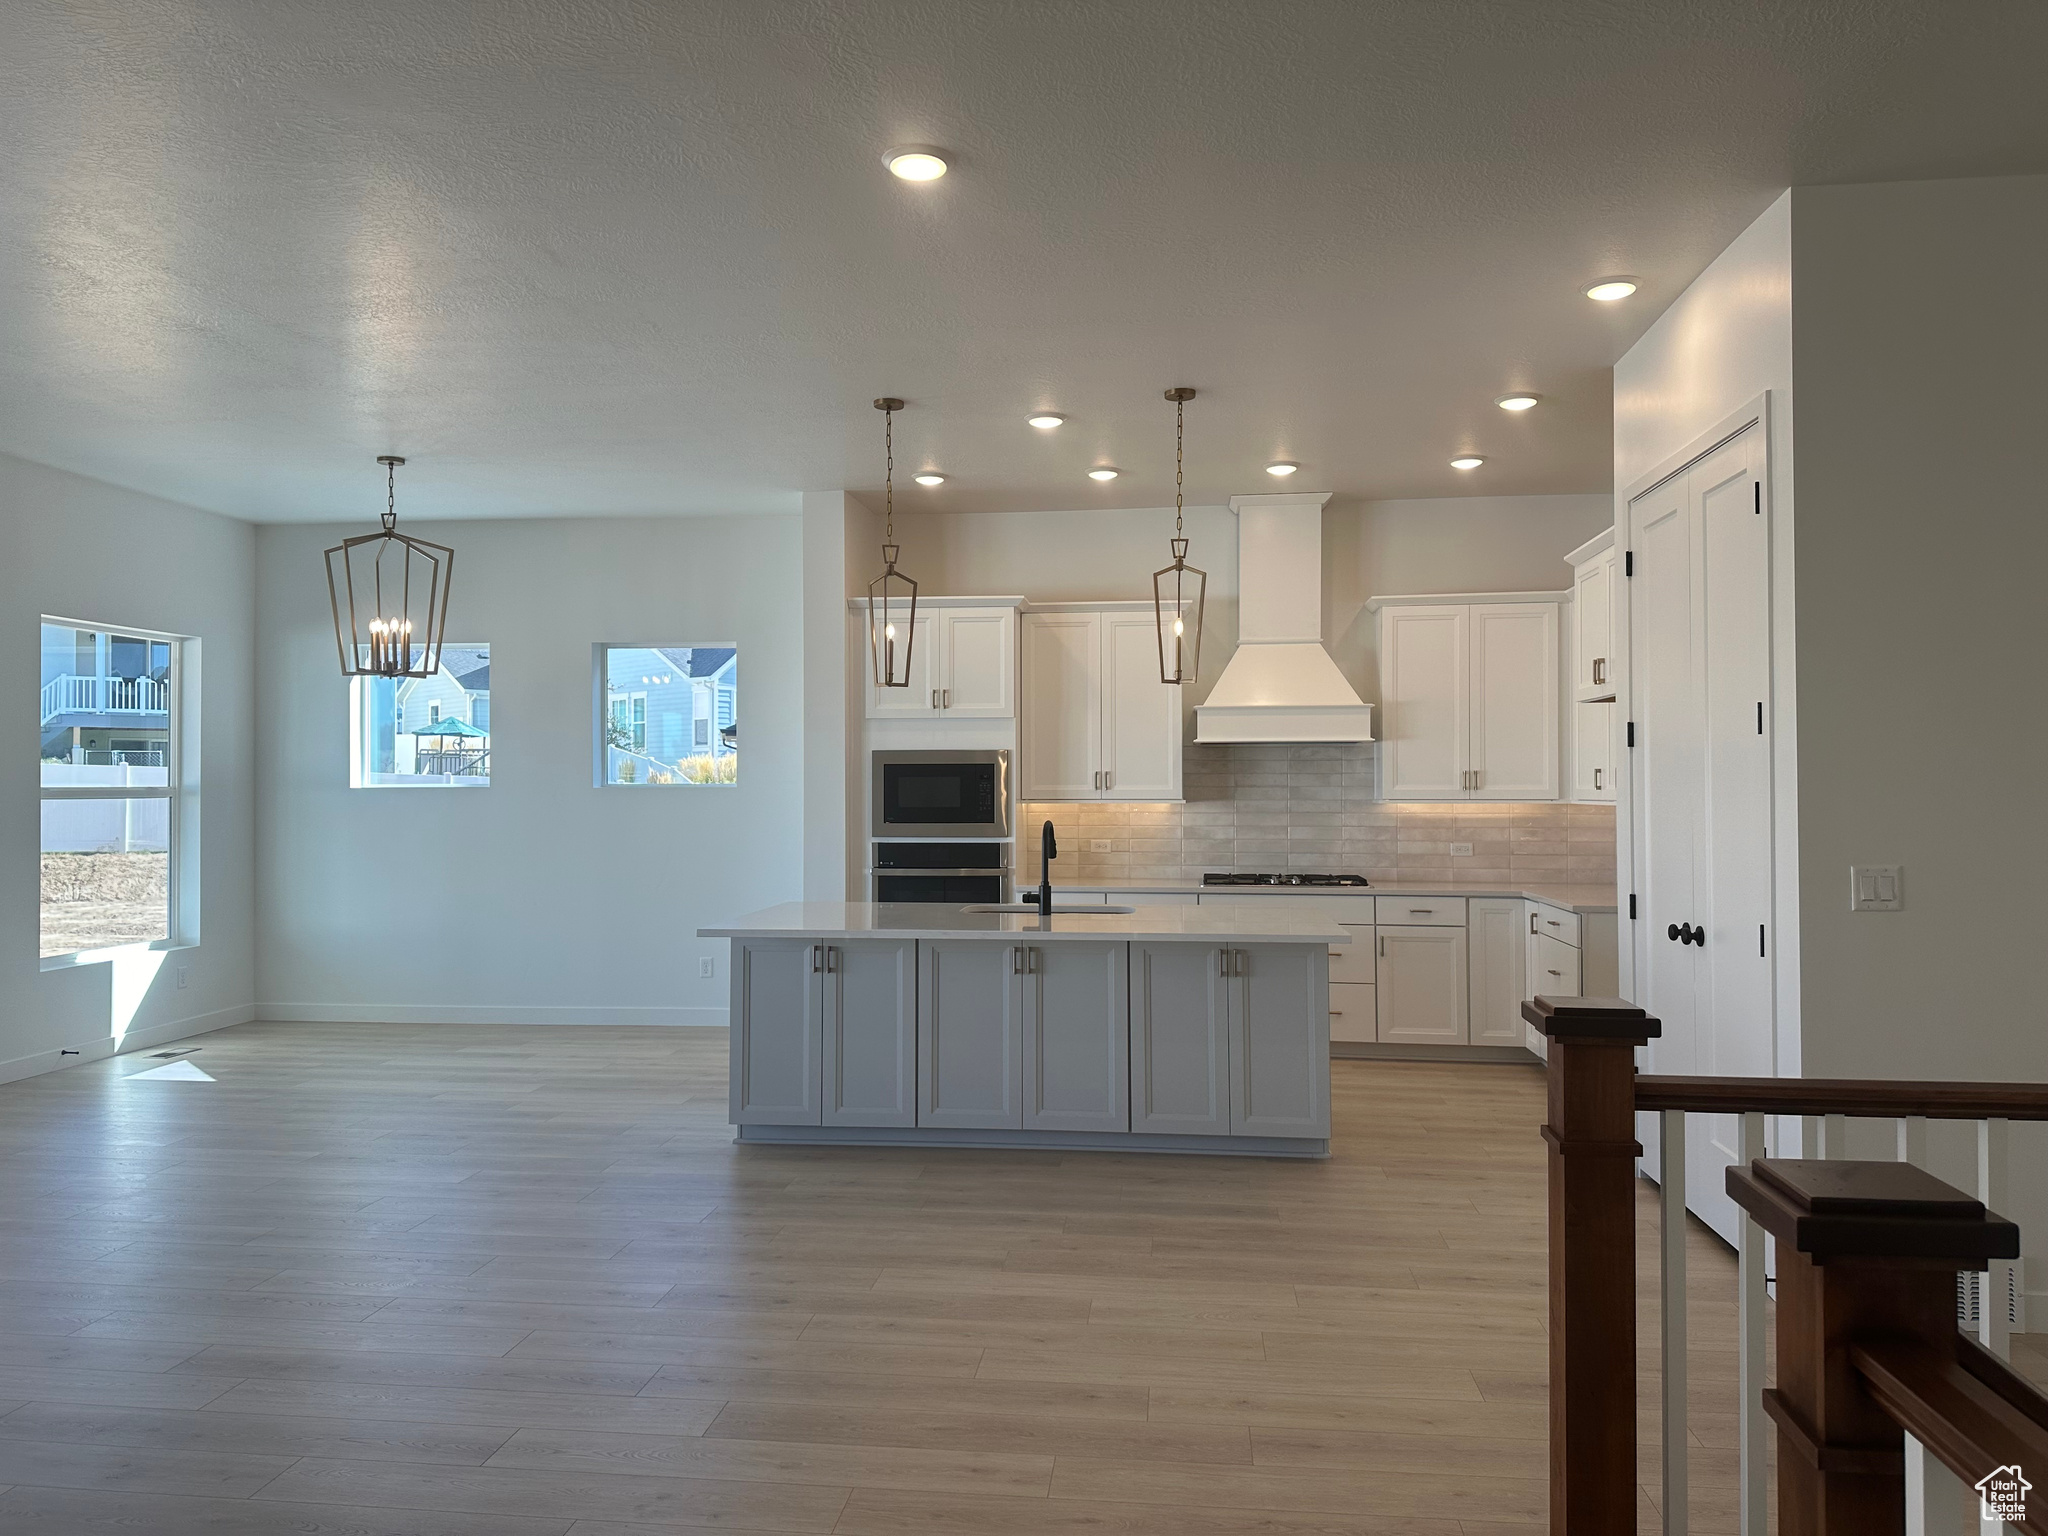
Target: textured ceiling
[{"x": 599, "y": 256}]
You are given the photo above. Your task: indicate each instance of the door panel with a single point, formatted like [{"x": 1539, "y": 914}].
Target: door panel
[
  {"x": 1354, "y": 1012},
  {"x": 1556, "y": 971},
  {"x": 1593, "y": 625},
  {"x": 920, "y": 699},
  {"x": 775, "y": 1006},
  {"x": 980, "y": 654},
  {"x": 1424, "y": 675},
  {"x": 1180, "y": 1048},
  {"x": 1077, "y": 1042},
  {"x": 1422, "y": 986},
  {"x": 1514, "y": 701},
  {"x": 870, "y": 1033},
  {"x": 1593, "y": 752},
  {"x": 1498, "y": 930},
  {"x": 1141, "y": 716},
  {"x": 1280, "y": 1042},
  {"x": 968, "y": 1050},
  {"x": 1060, "y": 733}
]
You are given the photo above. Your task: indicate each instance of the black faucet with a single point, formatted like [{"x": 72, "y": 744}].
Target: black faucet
[{"x": 1048, "y": 850}]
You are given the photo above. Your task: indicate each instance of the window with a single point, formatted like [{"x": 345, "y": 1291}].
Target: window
[
  {"x": 667, "y": 714},
  {"x": 111, "y": 802},
  {"x": 448, "y": 745}
]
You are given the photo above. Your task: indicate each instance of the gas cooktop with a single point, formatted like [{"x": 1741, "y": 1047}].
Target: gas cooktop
[{"x": 1213, "y": 878}]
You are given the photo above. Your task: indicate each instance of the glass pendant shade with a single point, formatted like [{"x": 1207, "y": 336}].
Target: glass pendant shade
[
  {"x": 892, "y": 622},
  {"x": 1178, "y": 591},
  {"x": 389, "y": 595}
]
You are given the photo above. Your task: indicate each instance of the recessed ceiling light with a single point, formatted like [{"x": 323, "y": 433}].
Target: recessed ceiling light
[
  {"x": 1467, "y": 461},
  {"x": 1517, "y": 402},
  {"x": 930, "y": 477},
  {"x": 916, "y": 162},
  {"x": 1045, "y": 421},
  {"x": 1282, "y": 467},
  {"x": 1102, "y": 472},
  {"x": 1608, "y": 289}
]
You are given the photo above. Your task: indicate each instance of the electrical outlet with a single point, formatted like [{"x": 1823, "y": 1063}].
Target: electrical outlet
[
  {"x": 1876, "y": 887},
  {"x": 184, "y": 975},
  {"x": 1098, "y": 845},
  {"x": 1461, "y": 850},
  {"x": 707, "y": 967}
]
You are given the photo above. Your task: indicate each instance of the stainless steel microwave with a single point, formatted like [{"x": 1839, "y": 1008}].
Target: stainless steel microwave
[{"x": 942, "y": 794}]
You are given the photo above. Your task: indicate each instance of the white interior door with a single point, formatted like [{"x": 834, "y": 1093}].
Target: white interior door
[
  {"x": 1514, "y": 701},
  {"x": 980, "y": 661},
  {"x": 1060, "y": 732},
  {"x": 1141, "y": 716},
  {"x": 1424, "y": 675}
]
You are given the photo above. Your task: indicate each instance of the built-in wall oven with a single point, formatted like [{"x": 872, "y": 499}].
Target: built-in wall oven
[
  {"x": 941, "y": 871},
  {"x": 953, "y": 794}
]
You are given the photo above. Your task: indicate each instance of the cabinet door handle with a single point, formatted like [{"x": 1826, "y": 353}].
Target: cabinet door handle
[
  {"x": 1599, "y": 669},
  {"x": 1421, "y": 911},
  {"x": 1557, "y": 973},
  {"x": 1336, "y": 954},
  {"x": 1553, "y": 922},
  {"x": 945, "y": 698},
  {"x": 1336, "y": 1013},
  {"x": 1476, "y": 777},
  {"x": 935, "y": 698},
  {"x": 1383, "y": 946},
  {"x": 832, "y": 959},
  {"x": 1596, "y": 778},
  {"x": 817, "y": 958},
  {"x": 1108, "y": 778},
  {"x": 1016, "y": 961},
  {"x": 1532, "y": 923}
]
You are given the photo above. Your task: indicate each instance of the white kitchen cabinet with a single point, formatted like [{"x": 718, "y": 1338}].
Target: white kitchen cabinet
[
  {"x": 1354, "y": 1012},
  {"x": 1595, "y": 591},
  {"x": 1553, "y": 968},
  {"x": 962, "y": 665},
  {"x": 1593, "y": 754},
  {"x": 868, "y": 1032},
  {"x": 918, "y": 701},
  {"x": 1076, "y": 1037},
  {"x": 1498, "y": 937},
  {"x": 1423, "y": 986},
  {"x": 1180, "y": 1040},
  {"x": 969, "y": 1035},
  {"x": 1096, "y": 722},
  {"x": 1230, "y": 1041},
  {"x": 1469, "y": 697},
  {"x": 777, "y": 1002}
]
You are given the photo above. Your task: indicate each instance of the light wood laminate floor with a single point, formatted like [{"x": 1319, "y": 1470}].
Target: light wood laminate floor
[{"x": 482, "y": 1281}]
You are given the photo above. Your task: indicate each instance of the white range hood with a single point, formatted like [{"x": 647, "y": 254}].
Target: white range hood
[{"x": 1281, "y": 685}]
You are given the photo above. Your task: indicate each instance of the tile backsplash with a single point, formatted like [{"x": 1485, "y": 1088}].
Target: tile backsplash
[{"x": 1282, "y": 808}]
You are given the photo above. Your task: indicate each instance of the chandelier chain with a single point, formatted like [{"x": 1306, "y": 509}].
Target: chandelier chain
[
  {"x": 1179, "y": 417},
  {"x": 390, "y": 497},
  {"x": 889, "y": 477}
]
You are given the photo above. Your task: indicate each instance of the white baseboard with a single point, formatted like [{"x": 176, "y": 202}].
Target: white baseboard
[
  {"x": 99, "y": 1050},
  {"x": 423, "y": 1013}
]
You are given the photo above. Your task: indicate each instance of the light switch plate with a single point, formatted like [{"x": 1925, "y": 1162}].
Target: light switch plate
[
  {"x": 1876, "y": 887},
  {"x": 1096, "y": 845},
  {"x": 706, "y": 966},
  {"x": 184, "y": 975},
  {"x": 1461, "y": 850}
]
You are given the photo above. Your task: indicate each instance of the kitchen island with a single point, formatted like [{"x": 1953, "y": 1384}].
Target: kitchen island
[{"x": 1161, "y": 1029}]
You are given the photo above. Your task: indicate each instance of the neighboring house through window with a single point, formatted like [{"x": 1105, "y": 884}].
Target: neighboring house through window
[
  {"x": 666, "y": 714},
  {"x": 424, "y": 732}
]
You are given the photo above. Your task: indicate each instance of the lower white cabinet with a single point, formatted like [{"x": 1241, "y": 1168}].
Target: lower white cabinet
[
  {"x": 970, "y": 1034},
  {"x": 1498, "y": 928},
  {"x": 868, "y": 1033},
  {"x": 1553, "y": 968},
  {"x": 1422, "y": 986},
  {"x": 777, "y": 1001},
  {"x": 1076, "y": 1037},
  {"x": 1229, "y": 1041}
]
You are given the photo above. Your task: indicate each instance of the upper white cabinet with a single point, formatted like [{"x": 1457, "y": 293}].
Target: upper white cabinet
[
  {"x": 1469, "y": 697},
  {"x": 963, "y": 663},
  {"x": 1594, "y": 632},
  {"x": 1097, "y": 723}
]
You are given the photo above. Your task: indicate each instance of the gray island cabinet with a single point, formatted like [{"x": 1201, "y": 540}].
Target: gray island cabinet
[{"x": 1167, "y": 1029}]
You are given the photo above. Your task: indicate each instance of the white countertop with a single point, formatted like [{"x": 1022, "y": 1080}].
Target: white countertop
[
  {"x": 1210, "y": 923},
  {"x": 1573, "y": 898}
]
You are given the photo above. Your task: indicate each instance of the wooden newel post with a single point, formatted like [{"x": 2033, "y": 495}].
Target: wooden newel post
[
  {"x": 1865, "y": 1251},
  {"x": 1593, "y": 1152}
]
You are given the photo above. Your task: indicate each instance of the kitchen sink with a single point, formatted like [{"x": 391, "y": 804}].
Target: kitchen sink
[{"x": 1057, "y": 909}]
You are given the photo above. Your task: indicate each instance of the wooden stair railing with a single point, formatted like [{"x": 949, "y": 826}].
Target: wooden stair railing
[{"x": 1594, "y": 1094}]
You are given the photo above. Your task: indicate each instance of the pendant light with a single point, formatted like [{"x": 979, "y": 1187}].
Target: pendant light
[
  {"x": 892, "y": 596},
  {"x": 1179, "y": 589},
  {"x": 395, "y": 588}
]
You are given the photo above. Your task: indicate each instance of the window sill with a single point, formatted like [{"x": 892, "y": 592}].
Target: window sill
[{"x": 110, "y": 954}]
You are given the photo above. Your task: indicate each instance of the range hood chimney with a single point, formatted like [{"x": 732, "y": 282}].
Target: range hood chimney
[{"x": 1281, "y": 685}]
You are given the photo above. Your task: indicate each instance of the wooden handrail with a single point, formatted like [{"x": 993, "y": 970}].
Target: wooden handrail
[
  {"x": 1870, "y": 1097},
  {"x": 1967, "y": 1425}
]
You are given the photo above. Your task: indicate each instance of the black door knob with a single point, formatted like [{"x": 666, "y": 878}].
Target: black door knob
[
  {"x": 1672, "y": 931},
  {"x": 1699, "y": 937}
]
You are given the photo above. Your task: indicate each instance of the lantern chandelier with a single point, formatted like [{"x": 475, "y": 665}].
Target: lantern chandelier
[
  {"x": 395, "y": 588},
  {"x": 1178, "y": 589},
  {"x": 892, "y": 596}
]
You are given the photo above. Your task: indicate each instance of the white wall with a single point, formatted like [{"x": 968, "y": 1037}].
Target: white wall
[
  {"x": 542, "y": 898},
  {"x": 1723, "y": 342},
  {"x": 82, "y": 549}
]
